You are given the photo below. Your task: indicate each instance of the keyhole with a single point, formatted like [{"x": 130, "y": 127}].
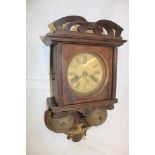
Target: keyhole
[{"x": 100, "y": 118}]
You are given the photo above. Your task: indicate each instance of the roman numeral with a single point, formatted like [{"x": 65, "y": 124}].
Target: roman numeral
[
  {"x": 78, "y": 61},
  {"x": 77, "y": 85},
  {"x": 94, "y": 78},
  {"x": 88, "y": 83},
  {"x": 74, "y": 79},
  {"x": 84, "y": 87},
  {"x": 71, "y": 73},
  {"x": 73, "y": 66},
  {"x": 84, "y": 59},
  {"x": 97, "y": 72},
  {"x": 95, "y": 65}
]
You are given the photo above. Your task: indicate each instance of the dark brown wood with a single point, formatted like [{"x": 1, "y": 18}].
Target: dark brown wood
[
  {"x": 111, "y": 28},
  {"x": 114, "y": 74},
  {"x": 101, "y": 37},
  {"x": 57, "y": 72},
  {"x": 68, "y": 52},
  {"x": 81, "y": 107},
  {"x": 82, "y": 38},
  {"x": 59, "y": 23},
  {"x": 103, "y": 32}
]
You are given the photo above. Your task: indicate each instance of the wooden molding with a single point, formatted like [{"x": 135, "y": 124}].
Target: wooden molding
[
  {"x": 76, "y": 29},
  {"x": 79, "y": 107}
]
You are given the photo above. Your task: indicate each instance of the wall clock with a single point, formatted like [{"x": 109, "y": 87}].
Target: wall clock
[{"x": 83, "y": 60}]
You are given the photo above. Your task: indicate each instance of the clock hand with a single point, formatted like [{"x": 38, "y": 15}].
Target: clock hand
[{"x": 75, "y": 79}]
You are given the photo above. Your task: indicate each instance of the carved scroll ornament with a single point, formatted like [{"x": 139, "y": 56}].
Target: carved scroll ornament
[{"x": 80, "y": 24}]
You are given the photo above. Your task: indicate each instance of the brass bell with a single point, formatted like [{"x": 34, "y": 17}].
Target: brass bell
[
  {"x": 59, "y": 125},
  {"x": 97, "y": 117}
]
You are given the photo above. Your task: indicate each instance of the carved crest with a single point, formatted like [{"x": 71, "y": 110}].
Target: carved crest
[
  {"x": 80, "y": 24},
  {"x": 77, "y": 30}
]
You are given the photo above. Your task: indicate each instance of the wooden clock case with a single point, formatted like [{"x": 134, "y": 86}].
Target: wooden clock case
[{"x": 71, "y": 35}]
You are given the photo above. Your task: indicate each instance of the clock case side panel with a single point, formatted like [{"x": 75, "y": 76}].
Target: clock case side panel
[
  {"x": 114, "y": 73},
  {"x": 56, "y": 73}
]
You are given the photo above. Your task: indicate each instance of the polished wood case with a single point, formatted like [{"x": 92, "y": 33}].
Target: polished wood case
[
  {"x": 103, "y": 38},
  {"x": 64, "y": 94}
]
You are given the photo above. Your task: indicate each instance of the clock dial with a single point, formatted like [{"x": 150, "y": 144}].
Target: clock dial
[{"x": 86, "y": 73}]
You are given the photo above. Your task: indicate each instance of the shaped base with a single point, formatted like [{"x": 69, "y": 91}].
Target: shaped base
[{"x": 73, "y": 123}]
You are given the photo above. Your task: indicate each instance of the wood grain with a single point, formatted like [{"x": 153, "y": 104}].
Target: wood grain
[{"x": 65, "y": 44}]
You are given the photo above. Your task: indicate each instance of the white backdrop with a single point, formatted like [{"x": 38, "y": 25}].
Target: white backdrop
[{"x": 110, "y": 138}]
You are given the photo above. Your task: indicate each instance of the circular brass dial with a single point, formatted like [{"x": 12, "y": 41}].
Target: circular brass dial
[{"x": 86, "y": 73}]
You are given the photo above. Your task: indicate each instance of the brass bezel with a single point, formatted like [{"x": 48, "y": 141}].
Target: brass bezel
[{"x": 104, "y": 80}]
